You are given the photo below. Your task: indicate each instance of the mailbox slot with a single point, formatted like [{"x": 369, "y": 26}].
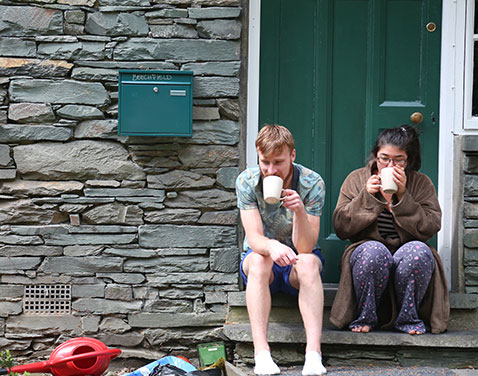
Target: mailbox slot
[{"x": 155, "y": 103}]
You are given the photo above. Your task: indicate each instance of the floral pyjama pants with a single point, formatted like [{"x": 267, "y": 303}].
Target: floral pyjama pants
[{"x": 372, "y": 266}]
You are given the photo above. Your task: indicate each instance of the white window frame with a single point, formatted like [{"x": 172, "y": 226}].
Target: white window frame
[{"x": 470, "y": 122}]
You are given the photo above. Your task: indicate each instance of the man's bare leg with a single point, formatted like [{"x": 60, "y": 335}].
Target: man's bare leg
[
  {"x": 258, "y": 269},
  {"x": 305, "y": 276}
]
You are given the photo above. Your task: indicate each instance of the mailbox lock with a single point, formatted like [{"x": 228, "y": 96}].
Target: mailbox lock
[{"x": 155, "y": 89}]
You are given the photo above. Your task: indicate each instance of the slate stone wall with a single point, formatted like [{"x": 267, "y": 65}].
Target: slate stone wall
[
  {"x": 143, "y": 229},
  {"x": 470, "y": 213}
]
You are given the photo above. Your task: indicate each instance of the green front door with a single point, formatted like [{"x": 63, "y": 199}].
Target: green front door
[{"x": 336, "y": 72}]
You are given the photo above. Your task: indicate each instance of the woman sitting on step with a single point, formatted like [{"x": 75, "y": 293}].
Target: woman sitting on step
[{"x": 390, "y": 276}]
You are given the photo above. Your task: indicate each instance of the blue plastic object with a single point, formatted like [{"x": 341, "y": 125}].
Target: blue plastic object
[{"x": 173, "y": 360}]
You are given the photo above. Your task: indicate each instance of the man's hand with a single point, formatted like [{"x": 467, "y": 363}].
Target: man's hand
[
  {"x": 291, "y": 200},
  {"x": 281, "y": 254}
]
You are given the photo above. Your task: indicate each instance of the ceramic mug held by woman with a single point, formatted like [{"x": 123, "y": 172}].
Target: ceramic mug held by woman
[{"x": 390, "y": 276}]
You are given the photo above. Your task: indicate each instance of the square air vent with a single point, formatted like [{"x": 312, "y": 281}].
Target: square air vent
[{"x": 47, "y": 299}]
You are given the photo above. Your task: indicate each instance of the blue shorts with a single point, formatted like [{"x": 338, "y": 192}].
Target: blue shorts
[{"x": 281, "y": 275}]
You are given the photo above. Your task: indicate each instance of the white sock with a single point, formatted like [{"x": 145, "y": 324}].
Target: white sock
[
  {"x": 313, "y": 364},
  {"x": 264, "y": 364}
]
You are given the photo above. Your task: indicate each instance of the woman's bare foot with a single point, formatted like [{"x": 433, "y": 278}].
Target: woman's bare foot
[
  {"x": 415, "y": 332},
  {"x": 361, "y": 329}
]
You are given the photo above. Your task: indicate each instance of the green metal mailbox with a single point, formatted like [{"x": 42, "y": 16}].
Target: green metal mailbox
[{"x": 155, "y": 103}]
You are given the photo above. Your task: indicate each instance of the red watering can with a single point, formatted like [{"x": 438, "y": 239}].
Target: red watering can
[{"x": 76, "y": 357}]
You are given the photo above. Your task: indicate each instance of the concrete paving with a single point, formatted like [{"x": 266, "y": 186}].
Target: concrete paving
[{"x": 378, "y": 371}]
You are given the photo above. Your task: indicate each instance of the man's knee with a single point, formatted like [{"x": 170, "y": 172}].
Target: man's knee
[
  {"x": 308, "y": 265},
  {"x": 257, "y": 265}
]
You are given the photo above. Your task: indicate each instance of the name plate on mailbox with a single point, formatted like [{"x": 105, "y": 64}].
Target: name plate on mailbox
[{"x": 155, "y": 103}]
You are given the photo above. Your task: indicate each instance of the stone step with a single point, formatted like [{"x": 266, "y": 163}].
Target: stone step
[
  {"x": 295, "y": 334},
  {"x": 457, "y": 347}
]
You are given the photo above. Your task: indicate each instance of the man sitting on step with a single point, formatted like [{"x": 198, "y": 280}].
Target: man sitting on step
[{"x": 281, "y": 251}]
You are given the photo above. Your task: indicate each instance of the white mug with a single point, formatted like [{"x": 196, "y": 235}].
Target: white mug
[
  {"x": 272, "y": 188},
  {"x": 386, "y": 176}
]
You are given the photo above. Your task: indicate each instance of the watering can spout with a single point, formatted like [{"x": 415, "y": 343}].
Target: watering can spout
[{"x": 76, "y": 357}]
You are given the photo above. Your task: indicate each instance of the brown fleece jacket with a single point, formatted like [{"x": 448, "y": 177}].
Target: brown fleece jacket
[{"x": 417, "y": 216}]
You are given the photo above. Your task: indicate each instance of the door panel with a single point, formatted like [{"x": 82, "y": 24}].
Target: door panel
[{"x": 337, "y": 72}]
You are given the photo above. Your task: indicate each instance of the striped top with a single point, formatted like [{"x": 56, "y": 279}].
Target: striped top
[{"x": 386, "y": 227}]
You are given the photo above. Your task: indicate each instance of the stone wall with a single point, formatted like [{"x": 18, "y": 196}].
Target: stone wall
[
  {"x": 470, "y": 213},
  {"x": 143, "y": 229}
]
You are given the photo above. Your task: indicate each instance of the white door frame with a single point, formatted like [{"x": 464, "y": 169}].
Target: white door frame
[{"x": 449, "y": 118}]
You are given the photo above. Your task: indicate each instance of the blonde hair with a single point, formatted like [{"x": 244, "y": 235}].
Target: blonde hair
[{"x": 272, "y": 138}]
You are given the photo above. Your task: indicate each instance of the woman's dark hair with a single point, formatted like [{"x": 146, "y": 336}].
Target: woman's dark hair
[{"x": 404, "y": 137}]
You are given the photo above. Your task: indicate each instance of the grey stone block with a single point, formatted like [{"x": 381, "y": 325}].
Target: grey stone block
[
  {"x": 167, "y": 265},
  {"x": 81, "y": 265},
  {"x": 37, "y": 326},
  {"x": 11, "y": 291},
  {"x": 114, "y": 213},
  {"x": 118, "y": 292},
  {"x": 75, "y": 16},
  {"x": 26, "y": 250},
  {"x": 212, "y": 68},
  {"x": 11, "y": 265},
  {"x": 219, "y": 29},
  {"x": 214, "y": 12},
  {"x": 226, "y": 176},
  {"x": 174, "y": 31},
  {"x": 17, "y": 47},
  {"x": 105, "y": 307},
  {"x": 90, "y": 324},
  {"x": 171, "y": 320},
  {"x": 179, "y": 216},
  {"x": 225, "y": 260},
  {"x": 211, "y": 199},
  {"x": 88, "y": 291},
  {"x": 73, "y": 51},
  {"x": 206, "y": 87},
  {"x": 471, "y": 276},
  {"x": 114, "y": 325},
  {"x": 184, "y": 236},
  {"x": 115, "y": 24},
  {"x": 211, "y": 278},
  {"x": 40, "y": 188},
  {"x": 76, "y": 112},
  {"x": 8, "y": 173},
  {"x": 224, "y": 217},
  {"x": 62, "y": 92},
  {"x": 167, "y": 13},
  {"x": 124, "y": 278},
  {"x": 179, "y": 179},
  {"x": 34, "y": 67},
  {"x": 74, "y": 239},
  {"x": 206, "y": 113},
  {"x": 75, "y": 160},
  {"x": 177, "y": 49},
  {"x": 20, "y": 133},
  {"x": 5, "y": 158},
  {"x": 470, "y": 143},
  {"x": 470, "y": 238},
  {"x": 17, "y": 21},
  {"x": 192, "y": 335},
  {"x": 471, "y": 185},
  {"x": 194, "y": 156},
  {"x": 31, "y": 113}
]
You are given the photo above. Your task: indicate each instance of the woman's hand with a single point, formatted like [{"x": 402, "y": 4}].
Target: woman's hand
[
  {"x": 400, "y": 177},
  {"x": 373, "y": 184}
]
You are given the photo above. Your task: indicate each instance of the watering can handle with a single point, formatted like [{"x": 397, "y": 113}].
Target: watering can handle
[{"x": 92, "y": 354}]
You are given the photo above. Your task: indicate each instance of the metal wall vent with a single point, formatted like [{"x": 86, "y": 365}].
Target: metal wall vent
[{"x": 47, "y": 299}]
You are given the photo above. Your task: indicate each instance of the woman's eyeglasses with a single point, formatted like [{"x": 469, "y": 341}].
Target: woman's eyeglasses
[{"x": 386, "y": 160}]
